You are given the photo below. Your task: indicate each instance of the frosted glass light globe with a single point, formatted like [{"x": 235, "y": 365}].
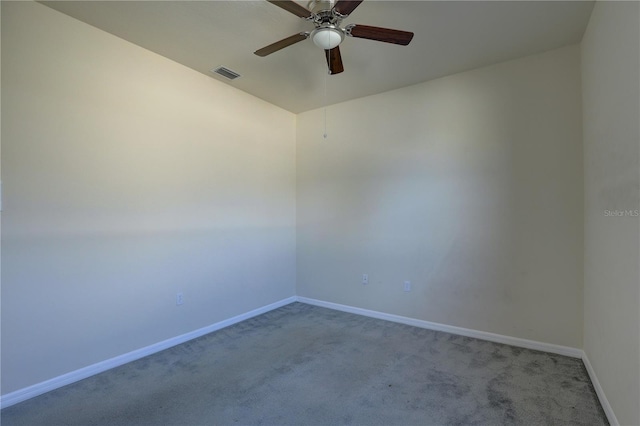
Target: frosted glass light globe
[{"x": 327, "y": 38}]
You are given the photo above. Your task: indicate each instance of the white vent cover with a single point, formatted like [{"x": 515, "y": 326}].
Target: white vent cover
[{"x": 226, "y": 73}]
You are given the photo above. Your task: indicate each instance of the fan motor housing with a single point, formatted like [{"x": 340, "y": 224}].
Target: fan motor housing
[{"x": 317, "y": 6}]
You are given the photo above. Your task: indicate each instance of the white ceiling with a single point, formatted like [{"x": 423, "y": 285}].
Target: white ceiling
[{"x": 450, "y": 37}]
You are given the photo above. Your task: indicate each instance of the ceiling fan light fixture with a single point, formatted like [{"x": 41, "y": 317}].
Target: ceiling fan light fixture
[{"x": 327, "y": 37}]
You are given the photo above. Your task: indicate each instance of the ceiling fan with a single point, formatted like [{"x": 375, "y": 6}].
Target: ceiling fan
[{"x": 328, "y": 34}]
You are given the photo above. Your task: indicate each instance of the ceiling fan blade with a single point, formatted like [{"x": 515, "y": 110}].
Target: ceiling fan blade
[
  {"x": 345, "y": 7},
  {"x": 334, "y": 60},
  {"x": 292, "y": 7},
  {"x": 380, "y": 34},
  {"x": 274, "y": 47}
]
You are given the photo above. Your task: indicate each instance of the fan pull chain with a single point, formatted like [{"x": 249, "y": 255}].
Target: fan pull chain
[
  {"x": 325, "y": 103},
  {"x": 325, "y": 123}
]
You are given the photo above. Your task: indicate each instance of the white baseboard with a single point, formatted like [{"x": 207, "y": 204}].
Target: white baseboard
[
  {"x": 608, "y": 410},
  {"x": 483, "y": 335},
  {"x": 74, "y": 376}
]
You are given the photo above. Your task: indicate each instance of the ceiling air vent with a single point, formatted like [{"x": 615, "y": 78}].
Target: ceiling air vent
[{"x": 226, "y": 73}]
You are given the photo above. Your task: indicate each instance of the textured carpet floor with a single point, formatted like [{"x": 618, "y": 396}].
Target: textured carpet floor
[{"x": 306, "y": 365}]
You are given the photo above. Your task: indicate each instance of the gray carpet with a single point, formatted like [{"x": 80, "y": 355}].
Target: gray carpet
[{"x": 305, "y": 365}]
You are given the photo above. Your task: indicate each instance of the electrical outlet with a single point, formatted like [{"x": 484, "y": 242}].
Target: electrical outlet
[
  {"x": 407, "y": 286},
  {"x": 179, "y": 299},
  {"x": 365, "y": 279}
]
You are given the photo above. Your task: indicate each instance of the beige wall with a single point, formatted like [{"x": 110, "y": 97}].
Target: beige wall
[
  {"x": 128, "y": 178},
  {"x": 611, "y": 104},
  {"x": 469, "y": 186}
]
